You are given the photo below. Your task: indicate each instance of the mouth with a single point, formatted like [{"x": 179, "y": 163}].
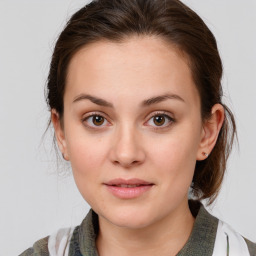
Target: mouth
[
  {"x": 128, "y": 186},
  {"x": 128, "y": 189},
  {"x": 128, "y": 182}
]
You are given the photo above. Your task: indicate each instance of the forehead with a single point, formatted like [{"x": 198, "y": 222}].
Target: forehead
[
  {"x": 135, "y": 51},
  {"x": 136, "y": 65}
]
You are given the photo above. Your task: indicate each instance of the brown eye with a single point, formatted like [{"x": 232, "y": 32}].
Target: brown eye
[
  {"x": 159, "y": 120},
  {"x": 98, "y": 120},
  {"x": 94, "y": 121}
]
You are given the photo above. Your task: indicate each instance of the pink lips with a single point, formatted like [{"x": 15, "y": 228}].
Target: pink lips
[{"x": 128, "y": 189}]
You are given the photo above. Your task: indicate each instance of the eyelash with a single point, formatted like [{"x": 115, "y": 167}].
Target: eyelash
[{"x": 155, "y": 114}]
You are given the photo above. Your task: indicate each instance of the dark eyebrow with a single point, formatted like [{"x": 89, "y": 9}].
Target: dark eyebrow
[
  {"x": 93, "y": 99},
  {"x": 144, "y": 103},
  {"x": 160, "y": 98}
]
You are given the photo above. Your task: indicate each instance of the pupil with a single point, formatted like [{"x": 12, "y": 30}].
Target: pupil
[
  {"x": 159, "y": 120},
  {"x": 97, "y": 120}
]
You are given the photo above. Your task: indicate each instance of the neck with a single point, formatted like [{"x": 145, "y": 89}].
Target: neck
[{"x": 166, "y": 236}]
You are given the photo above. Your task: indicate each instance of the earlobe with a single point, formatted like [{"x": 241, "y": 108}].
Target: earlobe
[
  {"x": 210, "y": 132},
  {"x": 59, "y": 133}
]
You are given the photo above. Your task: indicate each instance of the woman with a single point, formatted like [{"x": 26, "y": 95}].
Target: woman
[{"x": 135, "y": 92}]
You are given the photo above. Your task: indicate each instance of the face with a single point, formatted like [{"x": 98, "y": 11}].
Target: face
[{"x": 132, "y": 129}]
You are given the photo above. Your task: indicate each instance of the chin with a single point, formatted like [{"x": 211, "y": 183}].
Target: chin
[
  {"x": 131, "y": 223},
  {"x": 129, "y": 218}
]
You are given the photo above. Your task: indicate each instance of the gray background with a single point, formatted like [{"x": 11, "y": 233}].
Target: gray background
[{"x": 34, "y": 200}]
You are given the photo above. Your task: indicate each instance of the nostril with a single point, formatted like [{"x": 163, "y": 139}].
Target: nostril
[
  {"x": 126, "y": 164},
  {"x": 116, "y": 162}
]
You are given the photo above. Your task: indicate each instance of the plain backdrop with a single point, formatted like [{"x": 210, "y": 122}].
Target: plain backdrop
[{"x": 35, "y": 200}]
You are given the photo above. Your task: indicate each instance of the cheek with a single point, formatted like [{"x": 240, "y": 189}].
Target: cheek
[
  {"x": 86, "y": 158},
  {"x": 175, "y": 164},
  {"x": 175, "y": 152},
  {"x": 175, "y": 157},
  {"x": 86, "y": 154}
]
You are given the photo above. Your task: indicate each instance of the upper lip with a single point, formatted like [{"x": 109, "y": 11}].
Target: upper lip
[{"x": 119, "y": 181}]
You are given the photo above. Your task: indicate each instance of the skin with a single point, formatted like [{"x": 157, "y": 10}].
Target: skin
[{"x": 130, "y": 143}]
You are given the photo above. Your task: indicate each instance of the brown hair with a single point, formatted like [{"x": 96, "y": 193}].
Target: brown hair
[{"x": 174, "y": 22}]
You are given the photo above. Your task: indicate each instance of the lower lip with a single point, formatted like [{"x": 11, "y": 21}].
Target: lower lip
[{"x": 128, "y": 193}]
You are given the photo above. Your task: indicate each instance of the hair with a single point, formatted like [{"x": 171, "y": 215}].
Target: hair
[{"x": 177, "y": 24}]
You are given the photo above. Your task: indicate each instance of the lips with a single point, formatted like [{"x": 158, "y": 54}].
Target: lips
[
  {"x": 128, "y": 186},
  {"x": 129, "y": 182},
  {"x": 128, "y": 189}
]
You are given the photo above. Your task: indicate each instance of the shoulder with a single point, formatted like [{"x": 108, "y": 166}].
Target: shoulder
[
  {"x": 68, "y": 241},
  {"x": 233, "y": 242},
  {"x": 251, "y": 247},
  {"x": 39, "y": 248},
  {"x": 54, "y": 245},
  {"x": 218, "y": 235}
]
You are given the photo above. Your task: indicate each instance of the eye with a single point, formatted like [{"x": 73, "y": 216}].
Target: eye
[
  {"x": 161, "y": 120},
  {"x": 94, "y": 120}
]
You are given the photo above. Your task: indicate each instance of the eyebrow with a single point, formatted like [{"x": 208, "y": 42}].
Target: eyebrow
[{"x": 145, "y": 103}]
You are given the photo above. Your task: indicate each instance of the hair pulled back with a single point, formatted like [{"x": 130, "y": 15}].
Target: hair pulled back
[{"x": 174, "y": 22}]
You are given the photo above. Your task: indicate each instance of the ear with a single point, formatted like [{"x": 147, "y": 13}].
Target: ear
[
  {"x": 210, "y": 131},
  {"x": 59, "y": 133}
]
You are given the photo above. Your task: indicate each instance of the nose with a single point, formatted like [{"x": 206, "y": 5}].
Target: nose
[{"x": 127, "y": 149}]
